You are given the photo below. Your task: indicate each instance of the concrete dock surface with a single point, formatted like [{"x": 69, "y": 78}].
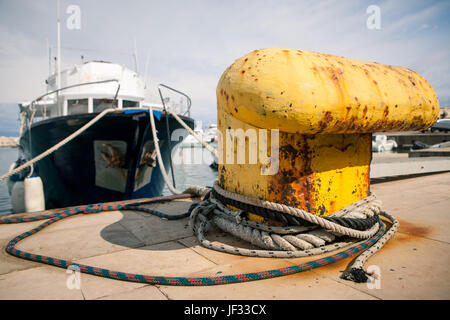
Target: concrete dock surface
[{"x": 414, "y": 264}]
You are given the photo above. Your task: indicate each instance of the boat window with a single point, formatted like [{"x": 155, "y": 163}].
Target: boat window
[
  {"x": 129, "y": 104},
  {"x": 102, "y": 104},
  {"x": 77, "y": 106}
]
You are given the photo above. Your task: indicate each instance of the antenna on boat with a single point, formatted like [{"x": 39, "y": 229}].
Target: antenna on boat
[
  {"x": 58, "y": 60},
  {"x": 49, "y": 51},
  {"x": 147, "y": 60},
  {"x": 146, "y": 69}
]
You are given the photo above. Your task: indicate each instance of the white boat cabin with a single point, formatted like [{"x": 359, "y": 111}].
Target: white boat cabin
[{"x": 91, "y": 88}]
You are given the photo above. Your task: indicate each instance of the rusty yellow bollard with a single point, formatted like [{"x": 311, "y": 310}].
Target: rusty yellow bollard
[{"x": 325, "y": 109}]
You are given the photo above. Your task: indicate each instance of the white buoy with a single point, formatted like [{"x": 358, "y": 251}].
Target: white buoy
[
  {"x": 34, "y": 194},
  {"x": 17, "y": 197}
]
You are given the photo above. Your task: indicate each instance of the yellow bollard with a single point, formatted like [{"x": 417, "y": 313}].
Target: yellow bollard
[{"x": 314, "y": 114}]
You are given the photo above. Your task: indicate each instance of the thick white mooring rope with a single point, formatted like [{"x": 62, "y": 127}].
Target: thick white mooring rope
[
  {"x": 204, "y": 143},
  {"x": 291, "y": 241},
  {"x": 158, "y": 151},
  {"x": 162, "y": 168},
  {"x": 372, "y": 208},
  {"x": 96, "y": 119}
]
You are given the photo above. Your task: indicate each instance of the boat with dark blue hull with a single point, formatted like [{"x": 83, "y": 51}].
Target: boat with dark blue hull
[
  {"x": 114, "y": 158},
  {"x": 83, "y": 170}
]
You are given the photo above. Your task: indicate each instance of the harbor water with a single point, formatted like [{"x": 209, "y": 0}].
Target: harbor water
[{"x": 191, "y": 166}]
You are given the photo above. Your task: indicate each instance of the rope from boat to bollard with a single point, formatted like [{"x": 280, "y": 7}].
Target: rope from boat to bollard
[
  {"x": 70, "y": 138},
  {"x": 202, "y": 211},
  {"x": 161, "y": 166},
  {"x": 58, "y": 145}
]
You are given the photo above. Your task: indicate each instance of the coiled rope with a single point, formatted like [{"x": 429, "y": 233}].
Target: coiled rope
[
  {"x": 201, "y": 220},
  {"x": 312, "y": 234}
]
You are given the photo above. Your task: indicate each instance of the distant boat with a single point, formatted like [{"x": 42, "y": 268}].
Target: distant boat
[
  {"x": 382, "y": 144},
  {"x": 210, "y": 134},
  {"x": 114, "y": 159}
]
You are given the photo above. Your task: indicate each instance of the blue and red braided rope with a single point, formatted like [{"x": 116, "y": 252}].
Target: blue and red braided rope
[
  {"x": 163, "y": 280},
  {"x": 95, "y": 208}
]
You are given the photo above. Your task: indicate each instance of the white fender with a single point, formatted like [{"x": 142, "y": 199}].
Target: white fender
[
  {"x": 17, "y": 197},
  {"x": 34, "y": 194}
]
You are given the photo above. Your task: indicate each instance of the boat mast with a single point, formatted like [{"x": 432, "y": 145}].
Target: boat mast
[
  {"x": 49, "y": 52},
  {"x": 58, "y": 59}
]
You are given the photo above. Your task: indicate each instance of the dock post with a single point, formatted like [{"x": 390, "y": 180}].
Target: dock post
[{"x": 324, "y": 109}]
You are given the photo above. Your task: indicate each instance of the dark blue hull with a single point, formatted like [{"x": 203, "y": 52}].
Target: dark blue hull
[{"x": 83, "y": 172}]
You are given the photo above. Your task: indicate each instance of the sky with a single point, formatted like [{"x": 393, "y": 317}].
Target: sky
[{"x": 189, "y": 44}]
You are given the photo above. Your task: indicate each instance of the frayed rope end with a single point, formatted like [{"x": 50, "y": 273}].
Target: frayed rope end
[{"x": 356, "y": 275}]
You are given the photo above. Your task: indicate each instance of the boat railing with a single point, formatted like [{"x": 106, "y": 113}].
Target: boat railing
[
  {"x": 186, "y": 112},
  {"x": 28, "y": 112},
  {"x": 31, "y": 110},
  {"x": 79, "y": 85}
]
